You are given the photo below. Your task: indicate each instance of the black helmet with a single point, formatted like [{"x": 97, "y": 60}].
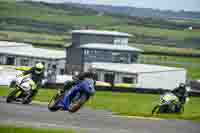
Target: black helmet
[
  {"x": 182, "y": 85},
  {"x": 91, "y": 75}
]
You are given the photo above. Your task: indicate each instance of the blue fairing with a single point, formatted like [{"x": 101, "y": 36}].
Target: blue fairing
[{"x": 86, "y": 86}]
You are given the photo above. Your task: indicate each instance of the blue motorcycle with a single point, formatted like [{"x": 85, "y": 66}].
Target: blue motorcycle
[{"x": 74, "y": 99}]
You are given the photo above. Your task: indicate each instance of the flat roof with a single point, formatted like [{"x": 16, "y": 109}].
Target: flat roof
[
  {"x": 133, "y": 68},
  {"x": 30, "y": 51},
  {"x": 101, "y": 32},
  {"x": 102, "y": 46},
  {"x": 12, "y": 44}
]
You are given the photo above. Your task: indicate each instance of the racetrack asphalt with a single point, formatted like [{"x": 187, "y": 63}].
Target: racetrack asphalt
[{"x": 88, "y": 120}]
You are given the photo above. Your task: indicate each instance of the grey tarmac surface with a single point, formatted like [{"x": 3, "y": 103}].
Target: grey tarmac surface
[{"x": 88, "y": 121}]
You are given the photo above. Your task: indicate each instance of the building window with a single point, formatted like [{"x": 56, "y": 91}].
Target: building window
[
  {"x": 10, "y": 60},
  {"x": 109, "y": 77},
  {"x": 128, "y": 80},
  {"x": 120, "y": 57},
  {"x": 121, "y": 41},
  {"x": 62, "y": 71},
  {"x": 86, "y": 52},
  {"x": 54, "y": 67},
  {"x": 37, "y": 62},
  {"x": 43, "y": 63},
  {"x": 134, "y": 58},
  {"x": 1, "y": 59},
  {"x": 24, "y": 62},
  {"x": 92, "y": 52}
]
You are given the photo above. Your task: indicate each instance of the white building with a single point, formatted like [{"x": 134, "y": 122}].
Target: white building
[
  {"x": 141, "y": 75},
  {"x": 21, "y": 54},
  {"x": 115, "y": 61}
]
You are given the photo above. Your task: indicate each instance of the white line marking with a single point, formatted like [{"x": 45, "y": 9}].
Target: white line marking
[
  {"x": 41, "y": 103},
  {"x": 137, "y": 117}
]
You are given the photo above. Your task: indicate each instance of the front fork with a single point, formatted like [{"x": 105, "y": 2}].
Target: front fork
[{"x": 65, "y": 102}]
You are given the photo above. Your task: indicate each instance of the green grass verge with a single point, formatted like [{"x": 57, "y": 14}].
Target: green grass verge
[
  {"x": 41, "y": 39},
  {"x": 126, "y": 103},
  {"x": 140, "y": 105},
  {"x": 13, "y": 129},
  {"x": 43, "y": 13},
  {"x": 167, "y": 50},
  {"x": 157, "y": 32},
  {"x": 191, "y": 64},
  {"x": 182, "y": 21}
]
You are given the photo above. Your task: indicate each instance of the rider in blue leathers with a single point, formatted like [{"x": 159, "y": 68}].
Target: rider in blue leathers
[{"x": 86, "y": 84}]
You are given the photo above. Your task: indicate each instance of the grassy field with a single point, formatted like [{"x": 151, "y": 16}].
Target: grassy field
[
  {"x": 139, "y": 105},
  {"x": 42, "y": 39},
  {"x": 191, "y": 64},
  {"x": 194, "y": 21},
  {"x": 166, "y": 50},
  {"x": 13, "y": 129},
  {"x": 42, "y": 18},
  {"x": 126, "y": 103},
  {"x": 44, "y": 13},
  {"x": 157, "y": 32}
]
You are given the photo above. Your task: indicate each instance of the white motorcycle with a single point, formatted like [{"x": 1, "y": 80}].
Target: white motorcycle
[
  {"x": 169, "y": 103},
  {"x": 22, "y": 89}
]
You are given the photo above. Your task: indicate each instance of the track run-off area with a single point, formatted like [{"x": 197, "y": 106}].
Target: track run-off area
[{"x": 88, "y": 121}]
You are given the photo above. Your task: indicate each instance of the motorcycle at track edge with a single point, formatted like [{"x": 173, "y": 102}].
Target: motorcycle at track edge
[
  {"x": 22, "y": 89},
  {"x": 76, "y": 102},
  {"x": 169, "y": 103}
]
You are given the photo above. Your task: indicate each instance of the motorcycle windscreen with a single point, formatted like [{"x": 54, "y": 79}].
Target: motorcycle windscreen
[
  {"x": 26, "y": 83},
  {"x": 169, "y": 97}
]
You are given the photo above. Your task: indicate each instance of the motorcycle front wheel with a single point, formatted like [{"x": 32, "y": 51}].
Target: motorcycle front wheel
[
  {"x": 77, "y": 103},
  {"x": 12, "y": 96},
  {"x": 155, "y": 110}
]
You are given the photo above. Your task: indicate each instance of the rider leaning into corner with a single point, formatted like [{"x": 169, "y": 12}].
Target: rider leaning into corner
[
  {"x": 181, "y": 93},
  {"x": 73, "y": 86},
  {"x": 37, "y": 74},
  {"x": 78, "y": 78}
]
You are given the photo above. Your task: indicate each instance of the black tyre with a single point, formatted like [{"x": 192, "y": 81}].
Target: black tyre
[
  {"x": 52, "y": 106},
  {"x": 180, "y": 110},
  {"x": 27, "y": 100},
  {"x": 12, "y": 96},
  {"x": 77, "y": 103},
  {"x": 156, "y": 110}
]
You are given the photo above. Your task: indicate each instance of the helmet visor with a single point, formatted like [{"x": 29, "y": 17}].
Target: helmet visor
[{"x": 38, "y": 70}]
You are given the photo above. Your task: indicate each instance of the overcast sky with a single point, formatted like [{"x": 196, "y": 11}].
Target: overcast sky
[{"x": 188, "y": 5}]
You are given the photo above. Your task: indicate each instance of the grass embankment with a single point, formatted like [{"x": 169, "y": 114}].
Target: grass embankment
[
  {"x": 126, "y": 103},
  {"x": 158, "y": 32},
  {"x": 45, "y": 24},
  {"x": 166, "y": 50},
  {"x": 159, "y": 36},
  {"x": 191, "y": 64},
  {"x": 13, "y": 129},
  {"x": 41, "y": 39},
  {"x": 58, "y": 19},
  {"x": 41, "y": 12}
]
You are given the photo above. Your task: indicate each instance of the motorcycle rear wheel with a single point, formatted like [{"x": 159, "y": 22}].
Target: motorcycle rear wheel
[{"x": 52, "y": 106}]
